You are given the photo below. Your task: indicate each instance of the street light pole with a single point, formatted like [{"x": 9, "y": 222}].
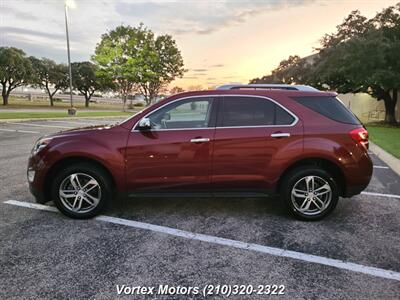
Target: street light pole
[{"x": 71, "y": 111}]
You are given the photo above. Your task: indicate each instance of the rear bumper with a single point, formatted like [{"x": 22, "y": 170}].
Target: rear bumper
[
  {"x": 360, "y": 180},
  {"x": 358, "y": 176}
]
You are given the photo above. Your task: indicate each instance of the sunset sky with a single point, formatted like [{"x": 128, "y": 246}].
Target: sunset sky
[{"x": 221, "y": 41}]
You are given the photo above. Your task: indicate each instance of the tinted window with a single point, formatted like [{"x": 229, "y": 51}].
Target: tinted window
[
  {"x": 329, "y": 107},
  {"x": 282, "y": 117},
  {"x": 251, "y": 111},
  {"x": 190, "y": 113}
]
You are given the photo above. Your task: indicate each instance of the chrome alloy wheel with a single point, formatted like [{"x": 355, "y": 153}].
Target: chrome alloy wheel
[
  {"x": 311, "y": 195},
  {"x": 80, "y": 193}
]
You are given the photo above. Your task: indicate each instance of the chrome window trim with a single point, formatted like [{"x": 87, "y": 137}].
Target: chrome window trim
[
  {"x": 296, "y": 119},
  {"x": 304, "y": 88}
]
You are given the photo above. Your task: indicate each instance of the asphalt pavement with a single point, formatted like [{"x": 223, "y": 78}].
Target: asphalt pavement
[{"x": 352, "y": 254}]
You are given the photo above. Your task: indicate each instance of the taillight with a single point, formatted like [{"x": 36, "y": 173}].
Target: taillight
[{"x": 360, "y": 135}]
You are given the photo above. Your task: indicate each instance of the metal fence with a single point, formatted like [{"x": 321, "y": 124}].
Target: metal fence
[{"x": 31, "y": 96}]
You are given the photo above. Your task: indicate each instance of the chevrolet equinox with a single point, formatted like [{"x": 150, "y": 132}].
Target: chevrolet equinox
[{"x": 235, "y": 141}]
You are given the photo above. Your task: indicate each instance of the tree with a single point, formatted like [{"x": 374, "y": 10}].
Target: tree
[
  {"x": 133, "y": 59},
  {"x": 159, "y": 62},
  {"x": 86, "y": 80},
  {"x": 15, "y": 70},
  {"x": 197, "y": 87},
  {"x": 176, "y": 90},
  {"x": 114, "y": 57},
  {"x": 49, "y": 75},
  {"x": 363, "y": 55},
  {"x": 266, "y": 79},
  {"x": 291, "y": 70}
]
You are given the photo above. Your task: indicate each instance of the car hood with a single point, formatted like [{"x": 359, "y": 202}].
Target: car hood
[{"x": 83, "y": 130}]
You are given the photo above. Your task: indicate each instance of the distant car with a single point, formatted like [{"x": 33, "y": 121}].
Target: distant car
[{"x": 236, "y": 141}]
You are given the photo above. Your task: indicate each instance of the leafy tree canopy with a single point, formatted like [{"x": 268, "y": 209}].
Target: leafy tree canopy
[
  {"x": 87, "y": 81},
  {"x": 363, "y": 55},
  {"x": 49, "y": 75},
  {"x": 15, "y": 70},
  {"x": 134, "y": 59}
]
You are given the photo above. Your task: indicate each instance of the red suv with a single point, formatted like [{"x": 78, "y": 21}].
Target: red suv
[{"x": 236, "y": 141}]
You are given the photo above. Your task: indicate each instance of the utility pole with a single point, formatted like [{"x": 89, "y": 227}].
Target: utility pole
[{"x": 72, "y": 110}]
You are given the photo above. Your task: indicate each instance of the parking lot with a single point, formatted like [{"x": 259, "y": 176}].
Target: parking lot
[{"x": 354, "y": 253}]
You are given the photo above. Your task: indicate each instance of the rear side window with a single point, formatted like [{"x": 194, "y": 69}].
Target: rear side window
[
  {"x": 252, "y": 111},
  {"x": 330, "y": 107}
]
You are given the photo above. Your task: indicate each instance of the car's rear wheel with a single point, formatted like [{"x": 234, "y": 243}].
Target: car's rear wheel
[
  {"x": 81, "y": 191},
  {"x": 310, "y": 193}
]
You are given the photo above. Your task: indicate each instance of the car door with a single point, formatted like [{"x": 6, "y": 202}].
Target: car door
[
  {"x": 175, "y": 154},
  {"x": 250, "y": 132}
]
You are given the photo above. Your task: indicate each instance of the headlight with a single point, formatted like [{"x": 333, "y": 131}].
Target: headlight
[{"x": 40, "y": 145}]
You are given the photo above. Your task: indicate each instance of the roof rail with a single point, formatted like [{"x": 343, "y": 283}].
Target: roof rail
[{"x": 305, "y": 88}]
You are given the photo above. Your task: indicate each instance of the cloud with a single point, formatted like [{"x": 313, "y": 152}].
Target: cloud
[
  {"x": 8, "y": 30},
  {"x": 41, "y": 44},
  {"x": 16, "y": 12},
  {"x": 38, "y": 26},
  {"x": 200, "y": 17},
  {"x": 217, "y": 66}
]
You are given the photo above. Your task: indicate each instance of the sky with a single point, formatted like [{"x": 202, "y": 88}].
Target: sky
[{"x": 221, "y": 42}]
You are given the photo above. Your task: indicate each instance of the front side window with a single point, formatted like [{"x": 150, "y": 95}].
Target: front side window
[
  {"x": 183, "y": 114},
  {"x": 252, "y": 111}
]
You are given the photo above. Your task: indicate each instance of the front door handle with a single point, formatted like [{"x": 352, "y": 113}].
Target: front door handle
[
  {"x": 200, "y": 140},
  {"x": 280, "y": 135}
]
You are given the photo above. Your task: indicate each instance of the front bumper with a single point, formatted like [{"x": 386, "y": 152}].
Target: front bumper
[
  {"x": 38, "y": 194},
  {"x": 36, "y": 172}
]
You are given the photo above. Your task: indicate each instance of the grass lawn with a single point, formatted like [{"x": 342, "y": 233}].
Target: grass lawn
[
  {"x": 20, "y": 102},
  {"x": 60, "y": 114},
  {"x": 386, "y": 137}
]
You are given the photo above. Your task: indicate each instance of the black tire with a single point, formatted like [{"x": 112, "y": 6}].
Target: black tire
[
  {"x": 95, "y": 172},
  {"x": 294, "y": 177}
]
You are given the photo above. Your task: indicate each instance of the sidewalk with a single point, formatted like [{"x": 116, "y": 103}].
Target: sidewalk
[{"x": 389, "y": 159}]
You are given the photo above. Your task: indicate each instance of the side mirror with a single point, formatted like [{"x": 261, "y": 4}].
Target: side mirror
[{"x": 144, "y": 123}]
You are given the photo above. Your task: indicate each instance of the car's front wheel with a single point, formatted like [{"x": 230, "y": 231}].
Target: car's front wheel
[
  {"x": 81, "y": 191},
  {"x": 310, "y": 193}
]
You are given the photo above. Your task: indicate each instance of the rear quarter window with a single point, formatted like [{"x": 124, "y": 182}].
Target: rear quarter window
[
  {"x": 330, "y": 107},
  {"x": 282, "y": 117}
]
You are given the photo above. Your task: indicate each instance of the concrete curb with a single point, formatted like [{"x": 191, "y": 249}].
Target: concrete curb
[
  {"x": 61, "y": 118},
  {"x": 389, "y": 159}
]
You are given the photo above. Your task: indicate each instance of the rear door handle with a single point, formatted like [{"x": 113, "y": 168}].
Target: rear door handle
[
  {"x": 280, "y": 135},
  {"x": 200, "y": 140}
]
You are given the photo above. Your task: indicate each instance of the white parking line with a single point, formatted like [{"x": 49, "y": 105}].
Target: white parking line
[
  {"x": 38, "y": 125},
  {"x": 380, "y": 167},
  {"x": 71, "y": 122},
  {"x": 15, "y": 130},
  {"x": 336, "y": 263},
  {"x": 380, "y": 195}
]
